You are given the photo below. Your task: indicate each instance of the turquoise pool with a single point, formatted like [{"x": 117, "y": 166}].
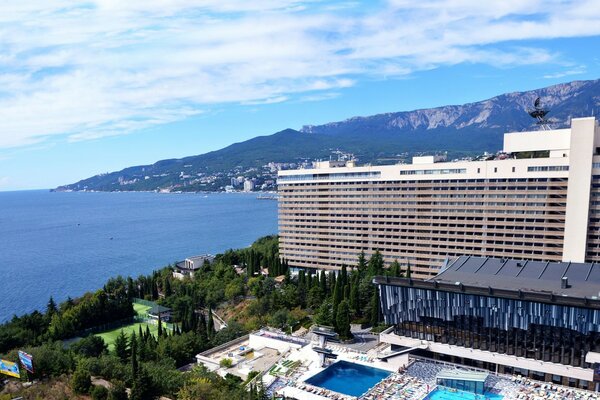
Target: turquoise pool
[
  {"x": 445, "y": 394},
  {"x": 348, "y": 378}
]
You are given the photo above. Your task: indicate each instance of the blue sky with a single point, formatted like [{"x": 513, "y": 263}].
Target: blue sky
[{"x": 95, "y": 86}]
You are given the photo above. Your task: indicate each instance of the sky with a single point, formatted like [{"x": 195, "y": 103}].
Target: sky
[{"x": 93, "y": 86}]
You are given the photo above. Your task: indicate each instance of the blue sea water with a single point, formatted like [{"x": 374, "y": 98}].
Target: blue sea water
[
  {"x": 64, "y": 244},
  {"x": 348, "y": 378}
]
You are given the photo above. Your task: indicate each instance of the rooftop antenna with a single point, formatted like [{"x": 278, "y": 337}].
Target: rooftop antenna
[{"x": 539, "y": 114}]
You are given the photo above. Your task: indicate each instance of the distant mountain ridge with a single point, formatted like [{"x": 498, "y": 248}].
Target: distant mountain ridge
[{"x": 383, "y": 138}]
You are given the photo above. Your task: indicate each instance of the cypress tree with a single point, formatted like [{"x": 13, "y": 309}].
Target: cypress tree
[
  {"x": 355, "y": 296},
  {"x": 408, "y": 271},
  {"x": 134, "y": 356},
  {"x": 343, "y": 320},
  {"x": 210, "y": 326},
  {"x": 344, "y": 276},
  {"x": 347, "y": 292},
  {"x": 395, "y": 269},
  {"x": 160, "y": 329},
  {"x": 375, "y": 308},
  {"x": 362, "y": 263},
  {"x": 168, "y": 289},
  {"x": 202, "y": 330},
  {"x": 51, "y": 308},
  {"x": 337, "y": 298},
  {"x": 332, "y": 282},
  {"x": 323, "y": 283}
]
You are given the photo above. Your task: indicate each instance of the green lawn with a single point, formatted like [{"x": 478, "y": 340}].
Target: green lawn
[
  {"x": 140, "y": 309},
  {"x": 110, "y": 336}
]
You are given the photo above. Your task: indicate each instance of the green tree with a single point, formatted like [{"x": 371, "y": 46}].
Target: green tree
[
  {"x": 323, "y": 283},
  {"x": 375, "y": 308},
  {"x": 324, "y": 315},
  {"x": 167, "y": 286},
  {"x": 336, "y": 299},
  {"x": 81, "y": 382},
  {"x": 122, "y": 346},
  {"x": 51, "y": 308},
  {"x": 395, "y": 269},
  {"x": 315, "y": 297},
  {"x": 280, "y": 318},
  {"x": 376, "y": 264},
  {"x": 355, "y": 295},
  {"x": 134, "y": 356},
  {"x": 99, "y": 393},
  {"x": 118, "y": 391},
  {"x": 343, "y": 320},
  {"x": 141, "y": 388},
  {"x": 210, "y": 326},
  {"x": 362, "y": 263},
  {"x": 90, "y": 346}
]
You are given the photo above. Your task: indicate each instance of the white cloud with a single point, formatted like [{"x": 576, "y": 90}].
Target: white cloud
[
  {"x": 84, "y": 70},
  {"x": 569, "y": 72}
]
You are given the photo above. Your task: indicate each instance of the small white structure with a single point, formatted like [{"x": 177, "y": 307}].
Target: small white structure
[
  {"x": 190, "y": 265},
  {"x": 257, "y": 351}
]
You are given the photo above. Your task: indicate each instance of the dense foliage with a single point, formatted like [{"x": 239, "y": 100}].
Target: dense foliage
[{"x": 249, "y": 288}]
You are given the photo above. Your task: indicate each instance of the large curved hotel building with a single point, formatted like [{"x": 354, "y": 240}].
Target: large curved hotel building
[{"x": 538, "y": 200}]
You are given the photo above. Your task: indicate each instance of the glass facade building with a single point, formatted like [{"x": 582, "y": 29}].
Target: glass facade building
[{"x": 548, "y": 313}]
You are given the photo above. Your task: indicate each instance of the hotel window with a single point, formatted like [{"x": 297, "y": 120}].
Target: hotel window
[{"x": 548, "y": 168}]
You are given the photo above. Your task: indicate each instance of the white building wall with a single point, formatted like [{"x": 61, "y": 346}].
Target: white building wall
[{"x": 578, "y": 191}]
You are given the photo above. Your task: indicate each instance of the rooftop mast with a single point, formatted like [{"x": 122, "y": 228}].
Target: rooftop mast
[{"x": 539, "y": 113}]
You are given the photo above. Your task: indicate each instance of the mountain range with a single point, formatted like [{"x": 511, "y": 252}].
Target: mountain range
[{"x": 459, "y": 130}]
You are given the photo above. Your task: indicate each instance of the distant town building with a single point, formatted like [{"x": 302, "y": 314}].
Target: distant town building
[
  {"x": 248, "y": 185},
  {"x": 539, "y": 199}
]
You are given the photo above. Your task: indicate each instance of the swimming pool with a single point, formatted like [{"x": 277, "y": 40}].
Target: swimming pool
[
  {"x": 445, "y": 394},
  {"x": 348, "y": 378}
]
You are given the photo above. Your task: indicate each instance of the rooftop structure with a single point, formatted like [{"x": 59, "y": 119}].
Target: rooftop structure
[
  {"x": 536, "y": 200},
  {"x": 577, "y": 280}
]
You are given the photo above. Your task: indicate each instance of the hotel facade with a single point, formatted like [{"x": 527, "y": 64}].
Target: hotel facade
[{"x": 538, "y": 200}]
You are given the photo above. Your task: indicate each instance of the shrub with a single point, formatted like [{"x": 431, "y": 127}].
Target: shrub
[
  {"x": 118, "y": 392},
  {"x": 99, "y": 393},
  {"x": 81, "y": 382},
  {"x": 226, "y": 363}
]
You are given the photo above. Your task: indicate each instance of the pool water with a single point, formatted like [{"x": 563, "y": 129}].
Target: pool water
[
  {"x": 348, "y": 378},
  {"x": 444, "y": 394}
]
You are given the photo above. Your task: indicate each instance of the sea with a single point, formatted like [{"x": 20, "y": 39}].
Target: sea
[{"x": 63, "y": 244}]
